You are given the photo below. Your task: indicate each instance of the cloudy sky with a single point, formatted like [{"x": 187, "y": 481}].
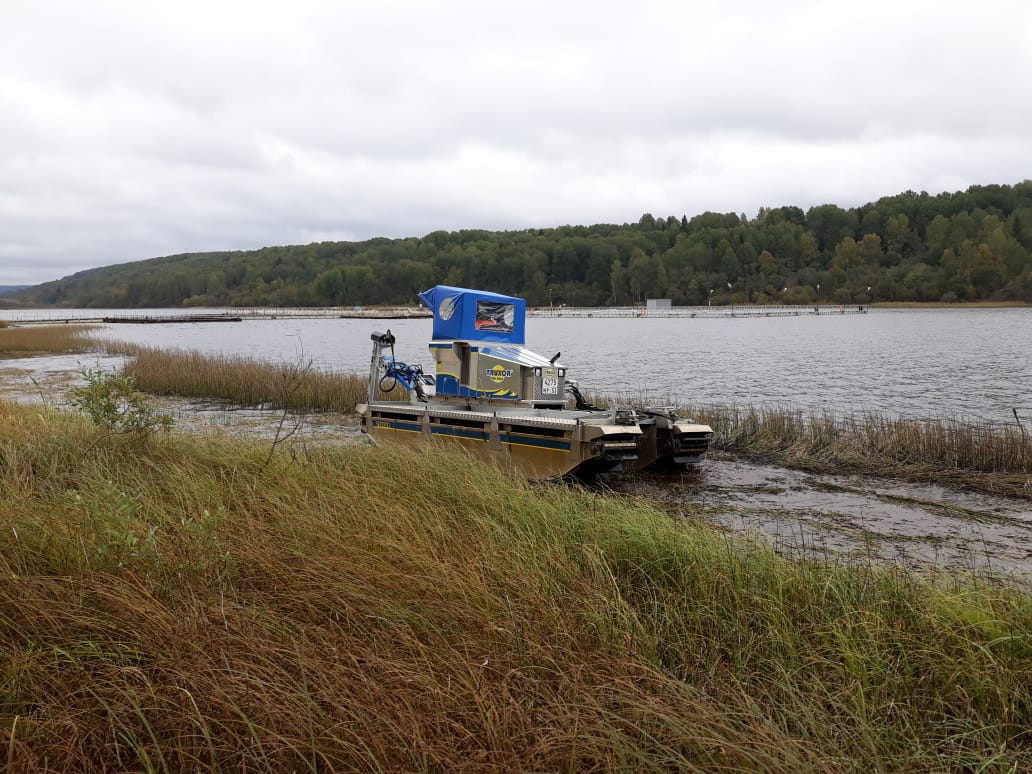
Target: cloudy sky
[{"x": 135, "y": 129}]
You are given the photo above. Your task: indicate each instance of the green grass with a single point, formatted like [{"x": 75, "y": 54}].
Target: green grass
[{"x": 187, "y": 603}]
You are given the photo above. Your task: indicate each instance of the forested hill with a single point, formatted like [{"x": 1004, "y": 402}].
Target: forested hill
[{"x": 966, "y": 246}]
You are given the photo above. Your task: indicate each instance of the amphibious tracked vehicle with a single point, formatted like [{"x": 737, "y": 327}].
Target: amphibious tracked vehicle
[{"x": 503, "y": 402}]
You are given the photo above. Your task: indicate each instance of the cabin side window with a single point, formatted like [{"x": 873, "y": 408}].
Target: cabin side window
[{"x": 495, "y": 316}]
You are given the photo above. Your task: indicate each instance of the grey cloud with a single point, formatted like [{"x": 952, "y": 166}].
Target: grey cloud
[{"x": 138, "y": 130}]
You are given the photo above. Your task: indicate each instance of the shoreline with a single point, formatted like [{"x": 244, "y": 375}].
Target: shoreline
[{"x": 389, "y": 310}]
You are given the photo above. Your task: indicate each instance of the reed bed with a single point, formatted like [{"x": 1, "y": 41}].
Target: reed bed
[
  {"x": 982, "y": 456},
  {"x": 189, "y": 603},
  {"x": 243, "y": 380},
  {"x": 33, "y": 340},
  {"x": 986, "y": 457},
  {"x": 991, "y": 457}
]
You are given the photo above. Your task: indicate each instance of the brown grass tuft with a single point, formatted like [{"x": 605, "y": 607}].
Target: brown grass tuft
[
  {"x": 243, "y": 380},
  {"x": 33, "y": 340}
]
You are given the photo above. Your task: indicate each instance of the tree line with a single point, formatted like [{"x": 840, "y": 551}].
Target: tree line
[{"x": 972, "y": 245}]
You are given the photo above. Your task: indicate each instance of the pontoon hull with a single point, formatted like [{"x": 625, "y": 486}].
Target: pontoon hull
[{"x": 537, "y": 444}]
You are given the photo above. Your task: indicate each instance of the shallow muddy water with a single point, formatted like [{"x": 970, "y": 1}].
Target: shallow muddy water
[
  {"x": 852, "y": 517},
  {"x": 48, "y": 378},
  {"x": 52, "y": 380},
  {"x": 261, "y": 424}
]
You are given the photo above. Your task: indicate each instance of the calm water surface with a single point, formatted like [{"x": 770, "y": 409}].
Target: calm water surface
[{"x": 971, "y": 363}]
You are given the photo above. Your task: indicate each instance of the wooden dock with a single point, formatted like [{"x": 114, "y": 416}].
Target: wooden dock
[
  {"x": 173, "y": 318},
  {"x": 108, "y": 316},
  {"x": 691, "y": 312}
]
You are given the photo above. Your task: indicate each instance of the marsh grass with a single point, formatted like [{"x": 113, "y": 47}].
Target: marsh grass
[
  {"x": 242, "y": 380},
  {"x": 21, "y": 341},
  {"x": 191, "y": 604},
  {"x": 981, "y": 456},
  {"x": 989, "y": 457}
]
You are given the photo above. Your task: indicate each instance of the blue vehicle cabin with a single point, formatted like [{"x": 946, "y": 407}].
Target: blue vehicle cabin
[
  {"x": 476, "y": 315},
  {"x": 477, "y": 344}
]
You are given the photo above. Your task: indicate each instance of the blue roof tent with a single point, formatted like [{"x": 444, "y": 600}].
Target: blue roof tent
[{"x": 476, "y": 315}]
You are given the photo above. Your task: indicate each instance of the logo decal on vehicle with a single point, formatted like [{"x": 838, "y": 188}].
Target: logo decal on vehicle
[{"x": 497, "y": 374}]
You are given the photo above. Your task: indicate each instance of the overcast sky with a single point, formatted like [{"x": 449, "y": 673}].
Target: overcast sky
[{"x": 133, "y": 129}]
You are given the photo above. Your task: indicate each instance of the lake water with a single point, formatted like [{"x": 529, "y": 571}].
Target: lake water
[{"x": 969, "y": 363}]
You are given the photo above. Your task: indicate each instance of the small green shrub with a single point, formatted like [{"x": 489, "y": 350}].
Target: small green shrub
[{"x": 112, "y": 401}]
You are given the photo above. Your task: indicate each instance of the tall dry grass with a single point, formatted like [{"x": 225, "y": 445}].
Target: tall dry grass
[
  {"x": 31, "y": 340},
  {"x": 243, "y": 380},
  {"x": 188, "y": 604},
  {"x": 991, "y": 457}
]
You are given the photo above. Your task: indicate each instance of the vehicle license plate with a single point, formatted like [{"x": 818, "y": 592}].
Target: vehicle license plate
[{"x": 550, "y": 386}]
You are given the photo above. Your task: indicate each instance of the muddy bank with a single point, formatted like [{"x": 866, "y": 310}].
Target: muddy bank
[
  {"x": 263, "y": 424},
  {"x": 49, "y": 378},
  {"x": 851, "y": 517},
  {"x": 52, "y": 379}
]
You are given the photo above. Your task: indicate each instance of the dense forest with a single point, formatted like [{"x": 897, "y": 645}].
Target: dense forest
[{"x": 969, "y": 245}]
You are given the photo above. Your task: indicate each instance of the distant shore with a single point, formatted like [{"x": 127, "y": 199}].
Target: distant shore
[
  {"x": 37, "y": 314},
  {"x": 946, "y": 305}
]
